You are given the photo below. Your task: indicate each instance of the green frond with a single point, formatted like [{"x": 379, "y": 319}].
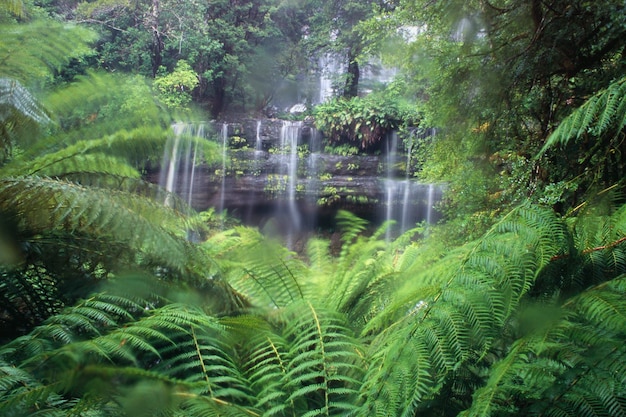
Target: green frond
[
  {"x": 46, "y": 205},
  {"x": 20, "y": 116},
  {"x": 324, "y": 367},
  {"x": 351, "y": 226},
  {"x": 461, "y": 320},
  {"x": 573, "y": 366},
  {"x": 257, "y": 267},
  {"x": 357, "y": 280},
  {"x": 35, "y": 50},
  {"x": 602, "y": 113}
]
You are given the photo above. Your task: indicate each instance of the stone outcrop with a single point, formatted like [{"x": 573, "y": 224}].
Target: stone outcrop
[{"x": 279, "y": 169}]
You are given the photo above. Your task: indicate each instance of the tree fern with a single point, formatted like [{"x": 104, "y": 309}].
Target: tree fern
[{"x": 355, "y": 282}]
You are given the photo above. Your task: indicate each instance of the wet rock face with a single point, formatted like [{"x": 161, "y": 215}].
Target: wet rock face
[{"x": 277, "y": 169}]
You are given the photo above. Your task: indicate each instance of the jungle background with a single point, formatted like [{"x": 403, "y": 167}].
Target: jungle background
[{"x": 514, "y": 305}]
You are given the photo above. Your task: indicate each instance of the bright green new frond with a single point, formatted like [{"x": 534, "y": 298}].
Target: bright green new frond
[
  {"x": 89, "y": 164},
  {"x": 101, "y": 104},
  {"x": 351, "y": 225},
  {"x": 257, "y": 267}
]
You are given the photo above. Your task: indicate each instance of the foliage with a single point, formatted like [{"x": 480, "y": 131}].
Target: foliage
[
  {"x": 366, "y": 120},
  {"x": 175, "y": 88},
  {"x": 230, "y": 46},
  {"x": 33, "y": 52},
  {"x": 493, "y": 83},
  {"x": 592, "y": 135},
  {"x": 380, "y": 330},
  {"x": 74, "y": 208}
]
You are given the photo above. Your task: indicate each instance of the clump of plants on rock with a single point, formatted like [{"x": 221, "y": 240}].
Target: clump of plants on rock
[{"x": 365, "y": 120}]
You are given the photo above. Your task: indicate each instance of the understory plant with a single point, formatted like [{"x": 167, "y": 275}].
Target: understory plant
[{"x": 365, "y": 121}]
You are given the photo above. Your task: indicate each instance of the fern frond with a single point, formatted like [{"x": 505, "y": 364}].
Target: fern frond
[
  {"x": 604, "y": 112},
  {"x": 20, "y": 116},
  {"x": 574, "y": 366},
  {"x": 34, "y": 51},
  {"x": 324, "y": 368},
  {"x": 46, "y": 205},
  {"x": 260, "y": 269},
  {"x": 461, "y": 320},
  {"x": 14, "y": 96}
]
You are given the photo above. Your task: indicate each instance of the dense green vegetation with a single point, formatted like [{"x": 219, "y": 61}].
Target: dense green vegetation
[{"x": 514, "y": 306}]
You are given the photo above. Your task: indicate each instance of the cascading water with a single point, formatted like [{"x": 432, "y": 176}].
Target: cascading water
[
  {"x": 407, "y": 186},
  {"x": 407, "y": 201},
  {"x": 289, "y": 137},
  {"x": 330, "y": 69},
  {"x": 171, "y": 159},
  {"x": 390, "y": 182},
  {"x": 282, "y": 180},
  {"x": 224, "y": 156},
  {"x": 258, "y": 145},
  {"x": 179, "y": 162},
  {"x": 433, "y": 195}
]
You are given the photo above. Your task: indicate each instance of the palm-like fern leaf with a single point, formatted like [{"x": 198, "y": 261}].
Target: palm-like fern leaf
[
  {"x": 459, "y": 322},
  {"x": 19, "y": 112},
  {"x": 47, "y": 205},
  {"x": 35, "y": 50},
  {"x": 258, "y": 267},
  {"x": 604, "y": 112},
  {"x": 573, "y": 367},
  {"x": 311, "y": 367}
]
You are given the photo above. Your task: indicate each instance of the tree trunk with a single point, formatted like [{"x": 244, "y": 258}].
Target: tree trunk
[
  {"x": 351, "y": 89},
  {"x": 156, "y": 49}
]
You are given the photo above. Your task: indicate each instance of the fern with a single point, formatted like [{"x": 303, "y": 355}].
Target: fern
[
  {"x": 574, "y": 367},
  {"x": 70, "y": 208},
  {"x": 314, "y": 365},
  {"x": 20, "y": 115},
  {"x": 459, "y": 322},
  {"x": 601, "y": 114},
  {"x": 257, "y": 267},
  {"x": 35, "y": 50}
]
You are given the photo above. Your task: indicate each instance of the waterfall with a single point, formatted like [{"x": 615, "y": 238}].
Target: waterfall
[
  {"x": 289, "y": 136},
  {"x": 172, "y": 169},
  {"x": 258, "y": 146},
  {"x": 330, "y": 68},
  {"x": 224, "y": 156},
  {"x": 179, "y": 162},
  {"x": 430, "y": 201},
  {"x": 407, "y": 201},
  {"x": 404, "y": 225},
  {"x": 390, "y": 182},
  {"x": 271, "y": 182}
]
